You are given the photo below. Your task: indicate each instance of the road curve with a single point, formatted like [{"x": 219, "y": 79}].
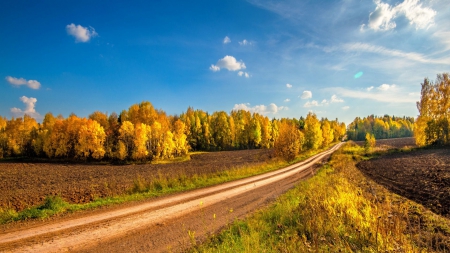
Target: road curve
[{"x": 79, "y": 233}]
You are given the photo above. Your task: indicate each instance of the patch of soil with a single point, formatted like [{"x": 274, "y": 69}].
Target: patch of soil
[
  {"x": 420, "y": 175},
  {"x": 393, "y": 143},
  {"x": 27, "y": 184}
]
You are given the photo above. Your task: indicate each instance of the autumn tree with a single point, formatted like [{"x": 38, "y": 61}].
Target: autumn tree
[
  {"x": 433, "y": 124},
  {"x": 370, "y": 142},
  {"x": 289, "y": 141},
  {"x": 327, "y": 133},
  {"x": 313, "y": 132},
  {"x": 91, "y": 137}
]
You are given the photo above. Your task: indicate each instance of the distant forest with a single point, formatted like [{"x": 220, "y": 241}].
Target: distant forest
[
  {"x": 381, "y": 127},
  {"x": 144, "y": 133}
]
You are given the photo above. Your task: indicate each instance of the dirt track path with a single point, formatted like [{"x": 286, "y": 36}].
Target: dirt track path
[{"x": 162, "y": 224}]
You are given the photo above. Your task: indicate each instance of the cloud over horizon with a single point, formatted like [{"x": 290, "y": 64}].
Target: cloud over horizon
[
  {"x": 30, "y": 103},
  {"x": 261, "y": 109}
]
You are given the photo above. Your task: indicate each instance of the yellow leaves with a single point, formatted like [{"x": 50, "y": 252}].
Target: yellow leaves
[
  {"x": 313, "y": 132},
  {"x": 289, "y": 141},
  {"x": 91, "y": 137},
  {"x": 433, "y": 124},
  {"x": 140, "y": 142}
]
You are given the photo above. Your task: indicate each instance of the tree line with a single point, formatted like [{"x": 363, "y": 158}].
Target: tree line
[
  {"x": 144, "y": 133},
  {"x": 381, "y": 127},
  {"x": 432, "y": 127}
]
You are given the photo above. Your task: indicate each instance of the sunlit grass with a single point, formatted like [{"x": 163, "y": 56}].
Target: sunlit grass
[{"x": 338, "y": 210}]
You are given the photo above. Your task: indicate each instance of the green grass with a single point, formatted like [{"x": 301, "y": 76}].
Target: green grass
[
  {"x": 149, "y": 188},
  {"x": 338, "y": 210}
]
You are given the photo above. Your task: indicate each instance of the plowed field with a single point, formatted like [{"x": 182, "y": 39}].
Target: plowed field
[
  {"x": 27, "y": 184},
  {"x": 420, "y": 175},
  {"x": 393, "y": 143}
]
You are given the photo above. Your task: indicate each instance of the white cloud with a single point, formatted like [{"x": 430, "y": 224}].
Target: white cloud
[
  {"x": 370, "y": 88},
  {"x": 422, "y": 17},
  {"x": 382, "y": 18},
  {"x": 335, "y": 99},
  {"x": 242, "y": 73},
  {"x": 345, "y": 107},
  {"x": 289, "y": 85},
  {"x": 364, "y": 47},
  {"x": 228, "y": 62},
  {"x": 30, "y": 103},
  {"x": 393, "y": 96},
  {"x": 33, "y": 84},
  {"x": 306, "y": 94},
  {"x": 324, "y": 102},
  {"x": 245, "y": 43},
  {"x": 226, "y": 40},
  {"x": 385, "y": 87},
  {"x": 261, "y": 109},
  {"x": 287, "y": 100},
  {"x": 81, "y": 34},
  {"x": 311, "y": 104},
  {"x": 214, "y": 68}
]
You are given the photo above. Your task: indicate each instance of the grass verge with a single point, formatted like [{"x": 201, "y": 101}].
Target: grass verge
[
  {"x": 144, "y": 188},
  {"x": 338, "y": 210}
]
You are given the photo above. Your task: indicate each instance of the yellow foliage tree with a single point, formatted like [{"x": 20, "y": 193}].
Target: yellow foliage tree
[
  {"x": 313, "y": 132},
  {"x": 140, "y": 151},
  {"x": 91, "y": 137},
  {"x": 289, "y": 141},
  {"x": 327, "y": 133}
]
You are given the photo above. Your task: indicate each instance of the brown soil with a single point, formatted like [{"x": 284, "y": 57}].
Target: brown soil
[
  {"x": 420, "y": 175},
  {"x": 158, "y": 225},
  {"x": 393, "y": 143},
  {"x": 27, "y": 184}
]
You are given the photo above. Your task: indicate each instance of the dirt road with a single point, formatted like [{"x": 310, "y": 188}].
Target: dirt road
[{"x": 172, "y": 223}]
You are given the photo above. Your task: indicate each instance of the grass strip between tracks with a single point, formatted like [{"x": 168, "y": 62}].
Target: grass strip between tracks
[
  {"x": 338, "y": 210},
  {"x": 146, "y": 189}
]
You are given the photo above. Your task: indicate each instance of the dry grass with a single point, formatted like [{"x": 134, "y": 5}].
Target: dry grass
[{"x": 338, "y": 210}]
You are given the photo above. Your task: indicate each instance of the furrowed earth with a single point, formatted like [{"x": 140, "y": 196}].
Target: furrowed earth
[
  {"x": 27, "y": 184},
  {"x": 421, "y": 175}
]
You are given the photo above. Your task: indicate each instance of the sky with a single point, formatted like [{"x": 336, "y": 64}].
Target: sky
[{"x": 338, "y": 59}]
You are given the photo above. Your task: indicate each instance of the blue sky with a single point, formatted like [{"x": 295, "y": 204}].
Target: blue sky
[{"x": 339, "y": 59}]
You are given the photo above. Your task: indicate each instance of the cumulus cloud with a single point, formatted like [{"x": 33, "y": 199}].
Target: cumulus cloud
[
  {"x": 370, "y": 88},
  {"x": 33, "y": 84},
  {"x": 81, "y": 34},
  {"x": 228, "y": 62},
  {"x": 30, "y": 103},
  {"x": 306, "y": 94},
  {"x": 345, "y": 107},
  {"x": 226, "y": 40},
  {"x": 261, "y": 109},
  {"x": 244, "y": 43},
  {"x": 383, "y": 17},
  {"x": 287, "y": 100},
  {"x": 242, "y": 73},
  {"x": 214, "y": 68},
  {"x": 385, "y": 87},
  {"x": 289, "y": 85}
]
